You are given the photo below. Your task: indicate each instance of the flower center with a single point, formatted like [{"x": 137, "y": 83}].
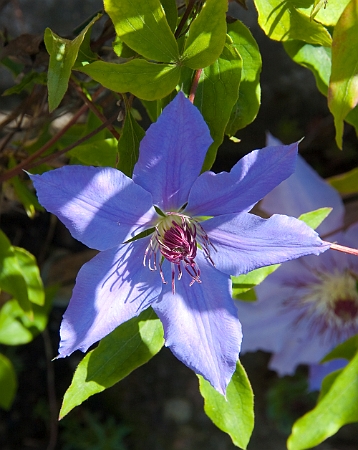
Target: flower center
[
  {"x": 176, "y": 238},
  {"x": 330, "y": 305},
  {"x": 346, "y": 310}
]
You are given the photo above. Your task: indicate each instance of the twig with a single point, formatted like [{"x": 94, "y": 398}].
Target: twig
[
  {"x": 25, "y": 164},
  {"x": 184, "y": 18},
  {"x": 194, "y": 85},
  {"x": 93, "y": 108},
  {"x": 75, "y": 144}
]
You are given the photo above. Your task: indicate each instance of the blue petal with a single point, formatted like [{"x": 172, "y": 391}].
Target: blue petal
[
  {"x": 172, "y": 154},
  {"x": 201, "y": 325},
  {"x": 305, "y": 191},
  {"x": 318, "y": 371},
  {"x": 110, "y": 289},
  {"x": 245, "y": 242},
  {"x": 100, "y": 206},
  {"x": 255, "y": 175}
]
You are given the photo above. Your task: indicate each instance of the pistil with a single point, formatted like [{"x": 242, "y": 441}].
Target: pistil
[{"x": 176, "y": 238}]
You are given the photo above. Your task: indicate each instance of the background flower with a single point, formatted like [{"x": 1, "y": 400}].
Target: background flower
[{"x": 307, "y": 306}]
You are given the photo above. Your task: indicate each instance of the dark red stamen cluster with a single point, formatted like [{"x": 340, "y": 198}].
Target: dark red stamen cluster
[{"x": 176, "y": 240}]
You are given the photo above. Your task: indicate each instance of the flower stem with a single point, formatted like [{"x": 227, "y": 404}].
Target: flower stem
[
  {"x": 194, "y": 85},
  {"x": 342, "y": 248}
]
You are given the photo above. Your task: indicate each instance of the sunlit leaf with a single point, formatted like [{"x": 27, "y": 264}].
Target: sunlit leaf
[
  {"x": 345, "y": 183},
  {"x": 316, "y": 58},
  {"x": 281, "y": 21},
  {"x": 314, "y": 218},
  {"x": 8, "y": 382},
  {"x": 248, "y": 103},
  {"x": 327, "y": 12},
  {"x": 234, "y": 414},
  {"x": 338, "y": 407},
  {"x": 247, "y": 281},
  {"x": 216, "y": 95},
  {"x": 102, "y": 153},
  {"x": 206, "y": 35},
  {"x": 31, "y": 273},
  {"x": 148, "y": 81},
  {"x": 63, "y": 54},
  {"x": 343, "y": 86},
  {"x": 15, "y": 326},
  {"x": 121, "y": 49},
  {"x": 129, "y": 346},
  {"x": 12, "y": 279},
  {"x": 346, "y": 350},
  {"x": 144, "y": 28}
]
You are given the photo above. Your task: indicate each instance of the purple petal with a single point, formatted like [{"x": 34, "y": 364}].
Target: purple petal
[
  {"x": 249, "y": 181},
  {"x": 298, "y": 348},
  {"x": 100, "y": 206},
  {"x": 305, "y": 191},
  {"x": 201, "y": 325},
  {"x": 318, "y": 371},
  {"x": 266, "y": 323},
  {"x": 110, "y": 289},
  {"x": 245, "y": 242},
  {"x": 172, "y": 154}
]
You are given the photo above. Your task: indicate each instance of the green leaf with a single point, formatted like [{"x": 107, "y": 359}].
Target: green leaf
[
  {"x": 346, "y": 183},
  {"x": 8, "y": 382},
  {"x": 26, "y": 197},
  {"x": 129, "y": 346},
  {"x": 326, "y": 12},
  {"x": 234, "y": 414},
  {"x": 346, "y": 350},
  {"x": 121, "y": 49},
  {"x": 15, "y": 326},
  {"x": 171, "y": 12},
  {"x": 26, "y": 83},
  {"x": 315, "y": 58},
  {"x": 63, "y": 54},
  {"x": 338, "y": 407},
  {"x": 327, "y": 383},
  {"x": 12, "y": 279},
  {"x": 281, "y": 21},
  {"x": 142, "y": 25},
  {"x": 248, "y": 103},
  {"x": 148, "y": 81},
  {"x": 31, "y": 273},
  {"x": 102, "y": 153},
  {"x": 245, "y": 282},
  {"x": 128, "y": 144},
  {"x": 153, "y": 109},
  {"x": 343, "y": 86},
  {"x": 216, "y": 95},
  {"x": 206, "y": 35},
  {"x": 314, "y": 218}
]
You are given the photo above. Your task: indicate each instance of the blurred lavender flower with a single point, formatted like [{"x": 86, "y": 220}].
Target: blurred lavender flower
[
  {"x": 195, "y": 257},
  {"x": 307, "y": 306}
]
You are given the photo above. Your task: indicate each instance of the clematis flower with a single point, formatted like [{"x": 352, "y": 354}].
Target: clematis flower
[
  {"x": 307, "y": 306},
  {"x": 198, "y": 233}
]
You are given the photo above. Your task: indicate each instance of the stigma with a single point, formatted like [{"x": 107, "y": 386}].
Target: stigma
[{"x": 176, "y": 239}]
